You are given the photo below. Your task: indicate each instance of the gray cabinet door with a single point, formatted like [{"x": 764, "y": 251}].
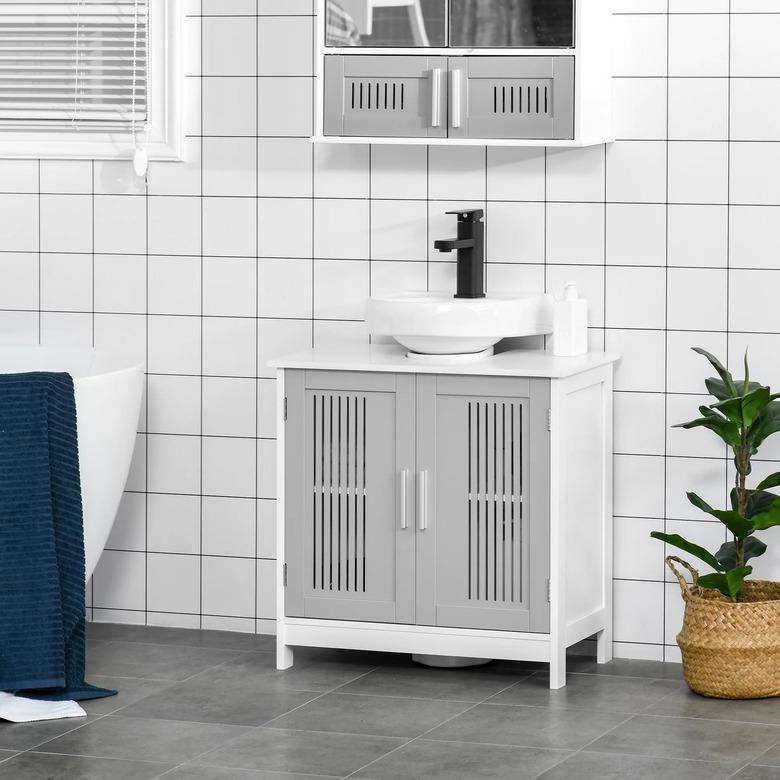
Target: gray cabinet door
[
  {"x": 512, "y": 97},
  {"x": 349, "y": 530},
  {"x": 483, "y": 538},
  {"x": 385, "y": 96}
]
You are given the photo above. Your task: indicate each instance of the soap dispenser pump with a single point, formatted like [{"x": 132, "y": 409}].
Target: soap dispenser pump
[{"x": 570, "y": 323}]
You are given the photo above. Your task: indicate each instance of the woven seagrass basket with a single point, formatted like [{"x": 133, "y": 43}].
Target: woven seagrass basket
[{"x": 730, "y": 650}]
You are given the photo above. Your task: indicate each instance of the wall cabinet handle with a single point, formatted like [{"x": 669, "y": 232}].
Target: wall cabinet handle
[
  {"x": 456, "y": 102},
  {"x": 436, "y": 75},
  {"x": 422, "y": 500},
  {"x": 403, "y": 484}
]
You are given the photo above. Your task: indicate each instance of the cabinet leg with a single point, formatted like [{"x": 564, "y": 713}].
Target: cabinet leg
[
  {"x": 284, "y": 656},
  {"x": 557, "y": 668},
  {"x": 604, "y": 646}
]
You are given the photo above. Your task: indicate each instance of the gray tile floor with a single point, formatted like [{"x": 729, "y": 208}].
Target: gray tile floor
[{"x": 204, "y": 705}]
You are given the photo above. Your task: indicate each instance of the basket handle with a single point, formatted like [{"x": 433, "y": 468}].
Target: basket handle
[{"x": 670, "y": 561}]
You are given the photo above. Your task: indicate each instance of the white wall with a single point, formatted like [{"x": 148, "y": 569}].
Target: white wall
[{"x": 260, "y": 244}]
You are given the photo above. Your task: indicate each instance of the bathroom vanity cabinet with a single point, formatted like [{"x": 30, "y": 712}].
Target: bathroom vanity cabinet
[
  {"x": 503, "y": 72},
  {"x": 457, "y": 510}
]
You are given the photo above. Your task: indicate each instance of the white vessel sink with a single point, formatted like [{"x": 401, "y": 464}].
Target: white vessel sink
[{"x": 436, "y": 323}]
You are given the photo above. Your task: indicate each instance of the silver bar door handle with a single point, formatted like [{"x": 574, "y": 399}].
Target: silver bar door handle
[
  {"x": 456, "y": 102},
  {"x": 422, "y": 500},
  {"x": 403, "y": 485},
  {"x": 436, "y": 75}
]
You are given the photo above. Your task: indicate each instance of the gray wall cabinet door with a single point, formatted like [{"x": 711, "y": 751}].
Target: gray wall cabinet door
[
  {"x": 512, "y": 97},
  {"x": 483, "y": 457},
  {"x": 350, "y": 535},
  {"x": 385, "y": 96}
]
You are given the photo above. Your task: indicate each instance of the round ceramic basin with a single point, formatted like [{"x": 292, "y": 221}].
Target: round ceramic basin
[{"x": 437, "y": 323}]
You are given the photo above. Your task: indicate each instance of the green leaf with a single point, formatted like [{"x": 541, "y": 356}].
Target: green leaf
[
  {"x": 743, "y": 411},
  {"x": 768, "y": 518},
  {"x": 723, "y": 372},
  {"x": 727, "y": 430},
  {"x": 727, "y": 555},
  {"x": 773, "y": 480},
  {"x": 734, "y": 521},
  {"x": 731, "y": 408},
  {"x": 753, "y": 403},
  {"x": 718, "y": 388},
  {"x": 729, "y": 584},
  {"x": 694, "y": 549},
  {"x": 746, "y": 382},
  {"x": 758, "y": 501},
  {"x": 767, "y": 423}
]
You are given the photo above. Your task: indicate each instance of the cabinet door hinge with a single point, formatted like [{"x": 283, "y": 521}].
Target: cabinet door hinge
[
  {"x": 549, "y": 419},
  {"x": 284, "y": 575},
  {"x": 285, "y": 410},
  {"x": 548, "y": 591}
]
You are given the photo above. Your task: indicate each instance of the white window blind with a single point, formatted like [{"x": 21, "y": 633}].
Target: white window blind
[{"x": 74, "y": 65}]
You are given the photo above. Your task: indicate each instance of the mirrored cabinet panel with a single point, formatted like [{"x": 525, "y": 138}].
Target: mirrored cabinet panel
[
  {"x": 386, "y": 23},
  {"x": 458, "y": 23},
  {"x": 512, "y": 23}
]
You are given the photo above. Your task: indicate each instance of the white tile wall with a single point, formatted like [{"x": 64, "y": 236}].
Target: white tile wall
[{"x": 260, "y": 244}]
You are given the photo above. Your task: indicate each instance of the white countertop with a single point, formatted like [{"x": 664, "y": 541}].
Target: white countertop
[{"x": 391, "y": 358}]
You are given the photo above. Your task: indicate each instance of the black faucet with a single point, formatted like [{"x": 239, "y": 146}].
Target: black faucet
[{"x": 470, "y": 244}]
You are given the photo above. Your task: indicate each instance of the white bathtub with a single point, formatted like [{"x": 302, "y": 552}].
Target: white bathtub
[{"x": 108, "y": 403}]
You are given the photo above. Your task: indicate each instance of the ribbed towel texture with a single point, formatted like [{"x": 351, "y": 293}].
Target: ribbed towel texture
[{"x": 41, "y": 541}]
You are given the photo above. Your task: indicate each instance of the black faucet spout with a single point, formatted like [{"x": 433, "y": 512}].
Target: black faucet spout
[
  {"x": 470, "y": 245},
  {"x": 448, "y": 244}
]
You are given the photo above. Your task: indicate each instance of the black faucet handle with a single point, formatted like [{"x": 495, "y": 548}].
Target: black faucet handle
[{"x": 468, "y": 215}]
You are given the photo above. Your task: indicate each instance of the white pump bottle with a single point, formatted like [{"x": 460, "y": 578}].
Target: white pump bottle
[{"x": 570, "y": 323}]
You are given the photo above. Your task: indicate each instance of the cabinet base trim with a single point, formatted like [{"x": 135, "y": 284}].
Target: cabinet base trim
[{"x": 428, "y": 640}]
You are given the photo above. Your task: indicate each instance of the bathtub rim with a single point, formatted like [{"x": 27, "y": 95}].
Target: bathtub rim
[{"x": 95, "y": 363}]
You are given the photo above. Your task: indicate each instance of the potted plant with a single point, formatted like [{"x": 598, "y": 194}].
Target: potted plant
[{"x": 730, "y": 640}]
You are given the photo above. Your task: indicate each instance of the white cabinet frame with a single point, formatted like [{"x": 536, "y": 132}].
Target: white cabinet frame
[
  {"x": 592, "y": 80},
  {"x": 580, "y": 544}
]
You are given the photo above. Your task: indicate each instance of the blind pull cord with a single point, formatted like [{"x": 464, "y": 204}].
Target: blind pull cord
[{"x": 140, "y": 157}]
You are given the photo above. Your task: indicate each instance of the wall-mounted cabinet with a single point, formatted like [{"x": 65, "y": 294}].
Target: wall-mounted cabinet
[{"x": 496, "y": 72}]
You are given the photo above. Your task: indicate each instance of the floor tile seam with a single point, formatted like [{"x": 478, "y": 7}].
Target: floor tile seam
[
  {"x": 559, "y": 708},
  {"x": 756, "y": 761},
  {"x": 101, "y": 758},
  {"x": 658, "y": 701},
  {"x": 585, "y": 747},
  {"x": 199, "y": 673},
  {"x": 84, "y": 722},
  {"x": 410, "y": 698},
  {"x": 592, "y": 749},
  {"x": 250, "y": 729},
  {"x": 168, "y": 771},
  {"x": 275, "y": 771},
  {"x": 412, "y": 740},
  {"x": 118, "y": 711},
  {"x": 624, "y": 676},
  {"x": 173, "y": 644},
  {"x": 139, "y": 679},
  {"x": 715, "y": 720},
  {"x": 181, "y": 645},
  {"x": 320, "y": 694},
  {"x": 114, "y": 716},
  {"x": 737, "y": 771}
]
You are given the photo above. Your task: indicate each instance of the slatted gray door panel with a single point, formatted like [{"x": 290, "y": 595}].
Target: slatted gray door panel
[
  {"x": 513, "y": 97},
  {"x": 483, "y": 561},
  {"x": 348, "y": 557},
  {"x": 385, "y": 96}
]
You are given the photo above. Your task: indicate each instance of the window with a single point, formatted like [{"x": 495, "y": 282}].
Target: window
[{"x": 84, "y": 78}]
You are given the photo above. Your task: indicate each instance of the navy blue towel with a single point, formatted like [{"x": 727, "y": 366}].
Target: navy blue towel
[{"x": 41, "y": 541}]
